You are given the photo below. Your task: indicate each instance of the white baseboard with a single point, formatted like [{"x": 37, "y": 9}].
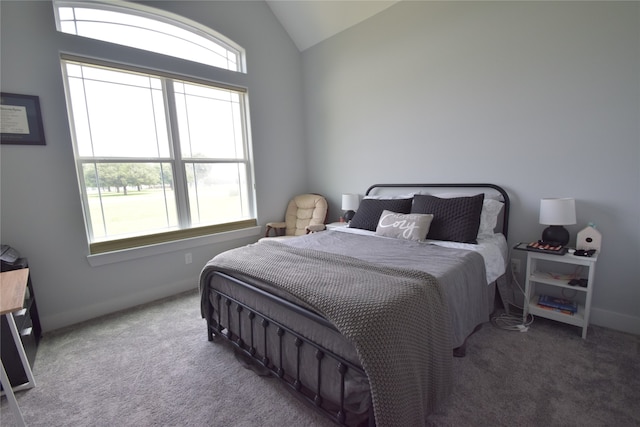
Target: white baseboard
[
  {"x": 84, "y": 313},
  {"x": 613, "y": 320}
]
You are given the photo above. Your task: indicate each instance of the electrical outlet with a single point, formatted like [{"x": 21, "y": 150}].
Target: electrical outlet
[
  {"x": 515, "y": 266},
  {"x": 187, "y": 258}
]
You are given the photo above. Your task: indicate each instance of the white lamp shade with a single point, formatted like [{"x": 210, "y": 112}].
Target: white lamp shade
[
  {"x": 350, "y": 202},
  {"x": 558, "y": 211}
]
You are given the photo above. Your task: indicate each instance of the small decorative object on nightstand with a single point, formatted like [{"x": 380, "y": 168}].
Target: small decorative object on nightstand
[
  {"x": 589, "y": 238},
  {"x": 541, "y": 282},
  {"x": 350, "y": 203}
]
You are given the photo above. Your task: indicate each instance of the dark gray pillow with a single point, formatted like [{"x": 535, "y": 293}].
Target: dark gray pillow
[
  {"x": 456, "y": 219},
  {"x": 369, "y": 211}
]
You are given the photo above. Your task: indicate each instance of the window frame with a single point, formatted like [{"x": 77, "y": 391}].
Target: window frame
[
  {"x": 113, "y": 250},
  {"x": 176, "y": 159}
]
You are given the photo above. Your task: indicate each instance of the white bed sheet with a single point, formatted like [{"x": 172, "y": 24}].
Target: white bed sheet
[{"x": 494, "y": 249}]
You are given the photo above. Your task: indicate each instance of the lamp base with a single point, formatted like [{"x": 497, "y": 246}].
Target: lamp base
[
  {"x": 556, "y": 233},
  {"x": 348, "y": 215}
]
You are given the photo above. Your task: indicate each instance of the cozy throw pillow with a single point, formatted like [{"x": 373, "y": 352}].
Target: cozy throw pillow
[
  {"x": 369, "y": 211},
  {"x": 404, "y": 226},
  {"x": 456, "y": 219},
  {"x": 489, "y": 217}
]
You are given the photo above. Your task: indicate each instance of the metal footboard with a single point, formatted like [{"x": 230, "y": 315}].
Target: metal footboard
[{"x": 227, "y": 317}]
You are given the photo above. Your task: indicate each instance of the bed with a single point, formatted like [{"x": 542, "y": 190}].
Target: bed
[{"x": 361, "y": 322}]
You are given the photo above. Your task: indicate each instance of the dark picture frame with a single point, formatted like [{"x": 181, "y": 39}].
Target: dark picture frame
[{"x": 21, "y": 120}]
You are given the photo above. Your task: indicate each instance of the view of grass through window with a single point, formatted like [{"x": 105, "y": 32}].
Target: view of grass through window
[{"x": 143, "y": 209}]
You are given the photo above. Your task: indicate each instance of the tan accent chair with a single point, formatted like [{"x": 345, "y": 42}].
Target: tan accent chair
[{"x": 306, "y": 213}]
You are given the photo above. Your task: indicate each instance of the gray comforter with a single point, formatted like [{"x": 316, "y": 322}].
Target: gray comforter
[
  {"x": 396, "y": 318},
  {"x": 461, "y": 273}
]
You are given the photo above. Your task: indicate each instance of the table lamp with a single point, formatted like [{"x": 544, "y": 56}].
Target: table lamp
[
  {"x": 555, "y": 213},
  {"x": 350, "y": 203}
]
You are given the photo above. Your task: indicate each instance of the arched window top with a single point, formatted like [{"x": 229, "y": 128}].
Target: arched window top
[{"x": 141, "y": 27}]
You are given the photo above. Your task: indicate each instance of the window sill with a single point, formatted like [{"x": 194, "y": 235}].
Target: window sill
[{"x": 97, "y": 260}]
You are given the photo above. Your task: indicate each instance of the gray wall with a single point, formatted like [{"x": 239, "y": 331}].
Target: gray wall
[
  {"x": 542, "y": 98},
  {"x": 41, "y": 213}
]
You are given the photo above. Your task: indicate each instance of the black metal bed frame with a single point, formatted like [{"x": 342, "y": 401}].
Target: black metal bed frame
[{"x": 258, "y": 354}]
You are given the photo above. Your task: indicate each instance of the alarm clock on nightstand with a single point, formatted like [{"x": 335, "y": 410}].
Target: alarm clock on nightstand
[{"x": 589, "y": 238}]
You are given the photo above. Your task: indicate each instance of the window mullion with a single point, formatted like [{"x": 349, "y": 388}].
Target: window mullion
[{"x": 179, "y": 173}]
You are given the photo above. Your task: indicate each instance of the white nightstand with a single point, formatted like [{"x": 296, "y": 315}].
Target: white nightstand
[
  {"x": 335, "y": 225},
  {"x": 540, "y": 279}
]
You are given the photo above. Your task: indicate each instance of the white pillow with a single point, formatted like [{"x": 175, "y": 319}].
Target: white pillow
[
  {"x": 392, "y": 196},
  {"x": 404, "y": 226},
  {"x": 489, "y": 217}
]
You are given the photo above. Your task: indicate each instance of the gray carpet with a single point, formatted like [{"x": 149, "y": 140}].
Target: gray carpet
[{"x": 153, "y": 366}]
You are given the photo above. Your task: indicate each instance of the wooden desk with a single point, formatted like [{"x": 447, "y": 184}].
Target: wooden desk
[{"x": 13, "y": 285}]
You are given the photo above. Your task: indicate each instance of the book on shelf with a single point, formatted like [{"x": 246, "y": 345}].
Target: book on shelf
[
  {"x": 558, "y": 310},
  {"x": 559, "y": 303}
]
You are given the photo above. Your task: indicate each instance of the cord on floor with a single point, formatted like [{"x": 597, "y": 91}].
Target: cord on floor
[
  {"x": 513, "y": 322},
  {"x": 509, "y": 322}
]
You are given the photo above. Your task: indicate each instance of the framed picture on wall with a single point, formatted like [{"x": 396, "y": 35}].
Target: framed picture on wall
[{"x": 20, "y": 120}]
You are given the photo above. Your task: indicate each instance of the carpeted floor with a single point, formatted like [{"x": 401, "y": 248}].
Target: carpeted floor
[{"x": 153, "y": 366}]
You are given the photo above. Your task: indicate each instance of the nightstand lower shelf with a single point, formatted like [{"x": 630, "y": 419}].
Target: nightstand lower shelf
[{"x": 576, "y": 319}]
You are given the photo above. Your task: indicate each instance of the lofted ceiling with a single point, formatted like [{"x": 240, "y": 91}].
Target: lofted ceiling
[{"x": 309, "y": 22}]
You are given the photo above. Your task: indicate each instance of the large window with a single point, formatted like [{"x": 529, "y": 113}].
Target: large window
[{"x": 159, "y": 156}]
